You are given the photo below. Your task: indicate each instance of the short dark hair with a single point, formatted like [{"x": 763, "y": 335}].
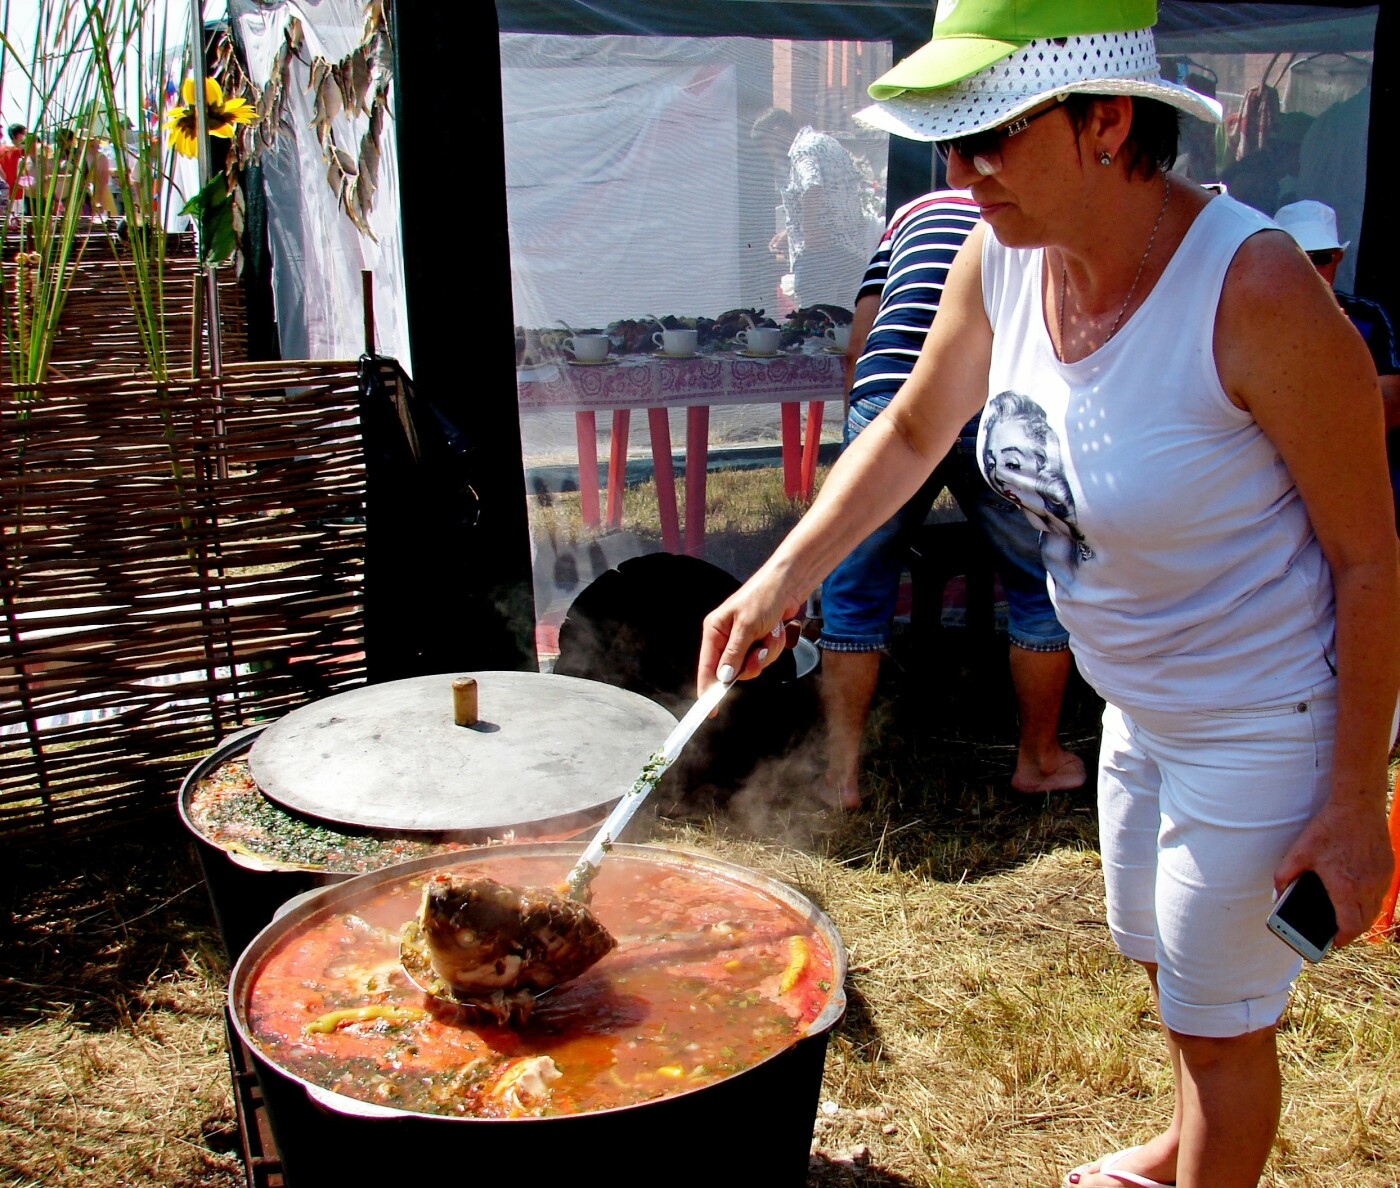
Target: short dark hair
[
  {"x": 1153, "y": 137},
  {"x": 16, "y": 131}
]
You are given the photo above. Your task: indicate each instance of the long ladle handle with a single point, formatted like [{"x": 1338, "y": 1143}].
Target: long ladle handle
[{"x": 586, "y": 867}]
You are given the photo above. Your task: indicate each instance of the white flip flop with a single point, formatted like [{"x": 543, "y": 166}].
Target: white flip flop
[{"x": 1123, "y": 1177}]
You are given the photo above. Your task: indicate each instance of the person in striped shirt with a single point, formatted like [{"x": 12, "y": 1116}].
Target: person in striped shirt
[{"x": 894, "y": 309}]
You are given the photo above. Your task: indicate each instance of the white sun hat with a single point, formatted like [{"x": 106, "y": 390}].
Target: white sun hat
[
  {"x": 1313, "y": 225},
  {"x": 1041, "y": 68}
]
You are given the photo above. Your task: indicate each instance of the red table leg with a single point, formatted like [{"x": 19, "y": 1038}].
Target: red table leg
[
  {"x": 586, "y": 426},
  {"x": 697, "y": 455},
  {"x": 810, "y": 447},
  {"x": 792, "y": 447},
  {"x": 617, "y": 465},
  {"x": 659, "y": 421}
]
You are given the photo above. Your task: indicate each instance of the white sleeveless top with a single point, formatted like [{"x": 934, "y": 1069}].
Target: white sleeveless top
[{"x": 1181, "y": 559}]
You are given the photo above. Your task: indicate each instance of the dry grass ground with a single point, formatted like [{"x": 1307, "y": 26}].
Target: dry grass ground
[
  {"x": 112, "y": 1065},
  {"x": 993, "y": 1036}
]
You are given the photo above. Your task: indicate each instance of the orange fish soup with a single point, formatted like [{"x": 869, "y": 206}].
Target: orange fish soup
[{"x": 710, "y": 977}]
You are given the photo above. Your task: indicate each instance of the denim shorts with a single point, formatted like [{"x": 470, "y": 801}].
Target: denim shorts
[
  {"x": 1196, "y": 809},
  {"x": 858, "y": 598}
]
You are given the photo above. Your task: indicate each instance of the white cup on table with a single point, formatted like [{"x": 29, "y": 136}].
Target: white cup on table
[
  {"x": 678, "y": 344},
  {"x": 839, "y": 336},
  {"x": 587, "y": 348},
  {"x": 760, "y": 340}
]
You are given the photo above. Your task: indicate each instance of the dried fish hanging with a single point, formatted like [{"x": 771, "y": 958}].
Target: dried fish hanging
[
  {"x": 356, "y": 86},
  {"x": 230, "y": 72}
]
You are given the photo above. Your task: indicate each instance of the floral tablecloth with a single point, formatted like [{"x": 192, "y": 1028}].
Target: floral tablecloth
[{"x": 651, "y": 381}]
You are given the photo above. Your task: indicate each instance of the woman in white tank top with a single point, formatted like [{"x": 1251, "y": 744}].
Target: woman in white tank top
[{"x": 1178, "y": 403}]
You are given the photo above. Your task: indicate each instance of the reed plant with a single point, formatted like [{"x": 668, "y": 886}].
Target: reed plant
[
  {"x": 48, "y": 242},
  {"x": 130, "y": 41},
  {"x": 88, "y": 65}
]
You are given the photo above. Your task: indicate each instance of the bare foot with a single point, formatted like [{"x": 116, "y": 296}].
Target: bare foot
[
  {"x": 1062, "y": 773},
  {"x": 839, "y": 794},
  {"x": 1135, "y": 1161}
]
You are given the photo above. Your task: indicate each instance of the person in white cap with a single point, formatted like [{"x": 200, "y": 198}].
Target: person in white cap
[
  {"x": 1189, "y": 416},
  {"x": 1314, "y": 226}
]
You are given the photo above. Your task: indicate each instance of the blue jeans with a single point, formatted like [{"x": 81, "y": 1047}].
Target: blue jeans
[{"x": 858, "y": 599}]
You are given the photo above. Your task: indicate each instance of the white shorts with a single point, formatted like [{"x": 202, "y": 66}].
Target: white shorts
[{"x": 1196, "y": 808}]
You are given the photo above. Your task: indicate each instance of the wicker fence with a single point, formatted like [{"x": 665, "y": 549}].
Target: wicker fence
[
  {"x": 97, "y": 331},
  {"x": 175, "y": 563}
]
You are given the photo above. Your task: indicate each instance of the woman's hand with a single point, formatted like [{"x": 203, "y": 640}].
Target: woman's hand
[
  {"x": 1348, "y": 846},
  {"x": 746, "y": 633}
]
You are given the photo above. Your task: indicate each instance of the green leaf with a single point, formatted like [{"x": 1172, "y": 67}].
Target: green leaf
[{"x": 212, "y": 209}]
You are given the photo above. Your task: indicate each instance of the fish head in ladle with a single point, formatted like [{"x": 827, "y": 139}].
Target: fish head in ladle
[{"x": 490, "y": 949}]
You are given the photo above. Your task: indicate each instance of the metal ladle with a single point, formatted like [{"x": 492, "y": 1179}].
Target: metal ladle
[
  {"x": 575, "y": 885},
  {"x": 413, "y": 954}
]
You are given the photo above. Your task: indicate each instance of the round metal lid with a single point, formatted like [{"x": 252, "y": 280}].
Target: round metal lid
[{"x": 390, "y": 756}]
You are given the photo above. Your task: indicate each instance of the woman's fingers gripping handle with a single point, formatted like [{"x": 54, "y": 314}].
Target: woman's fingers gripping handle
[{"x": 738, "y": 640}]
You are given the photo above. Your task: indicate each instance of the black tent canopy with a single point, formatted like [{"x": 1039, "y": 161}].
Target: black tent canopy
[{"x": 493, "y": 571}]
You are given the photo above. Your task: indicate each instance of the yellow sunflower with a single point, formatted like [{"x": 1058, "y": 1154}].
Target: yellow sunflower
[{"x": 220, "y": 116}]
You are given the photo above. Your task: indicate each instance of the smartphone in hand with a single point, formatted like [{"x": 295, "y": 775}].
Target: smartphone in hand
[{"x": 1303, "y": 917}]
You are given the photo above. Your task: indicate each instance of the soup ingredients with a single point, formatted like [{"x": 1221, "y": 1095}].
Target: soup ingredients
[
  {"x": 367, "y": 1014},
  {"x": 799, "y": 953},
  {"x": 524, "y": 1086},
  {"x": 227, "y": 808},
  {"x": 704, "y": 983},
  {"x": 483, "y": 939}
]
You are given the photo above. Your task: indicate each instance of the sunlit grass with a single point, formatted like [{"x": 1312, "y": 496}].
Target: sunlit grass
[{"x": 993, "y": 1035}]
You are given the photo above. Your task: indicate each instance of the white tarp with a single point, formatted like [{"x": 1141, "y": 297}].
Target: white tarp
[
  {"x": 634, "y": 187},
  {"x": 317, "y": 253},
  {"x": 621, "y": 180}
]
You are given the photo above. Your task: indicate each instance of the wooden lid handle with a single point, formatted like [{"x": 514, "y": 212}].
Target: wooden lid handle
[{"x": 464, "y": 710}]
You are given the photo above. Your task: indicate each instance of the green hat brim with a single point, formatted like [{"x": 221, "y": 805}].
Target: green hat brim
[{"x": 940, "y": 63}]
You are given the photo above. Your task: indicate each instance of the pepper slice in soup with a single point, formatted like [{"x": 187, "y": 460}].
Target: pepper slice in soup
[{"x": 709, "y": 977}]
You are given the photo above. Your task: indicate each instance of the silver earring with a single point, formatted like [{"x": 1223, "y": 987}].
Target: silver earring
[{"x": 1104, "y": 158}]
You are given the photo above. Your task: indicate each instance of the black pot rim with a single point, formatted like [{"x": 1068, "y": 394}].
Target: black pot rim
[{"x": 237, "y": 745}]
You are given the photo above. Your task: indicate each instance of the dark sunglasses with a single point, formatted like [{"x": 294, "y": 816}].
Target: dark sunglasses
[
  {"x": 988, "y": 144},
  {"x": 1320, "y": 259}
]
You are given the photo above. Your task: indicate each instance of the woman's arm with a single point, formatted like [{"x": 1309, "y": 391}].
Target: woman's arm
[
  {"x": 1287, "y": 354},
  {"x": 883, "y": 467}
]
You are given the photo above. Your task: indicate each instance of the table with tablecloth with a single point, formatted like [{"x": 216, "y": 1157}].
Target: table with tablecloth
[{"x": 657, "y": 384}]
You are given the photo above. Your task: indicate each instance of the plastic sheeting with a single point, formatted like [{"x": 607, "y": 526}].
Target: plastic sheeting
[
  {"x": 637, "y": 190},
  {"x": 635, "y": 187},
  {"x": 317, "y": 252}
]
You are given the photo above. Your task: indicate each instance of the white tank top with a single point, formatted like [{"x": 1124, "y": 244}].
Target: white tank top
[{"x": 1181, "y": 559}]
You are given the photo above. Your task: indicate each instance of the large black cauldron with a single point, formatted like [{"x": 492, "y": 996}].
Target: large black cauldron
[
  {"x": 638, "y": 627},
  {"x": 754, "y": 1127}
]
